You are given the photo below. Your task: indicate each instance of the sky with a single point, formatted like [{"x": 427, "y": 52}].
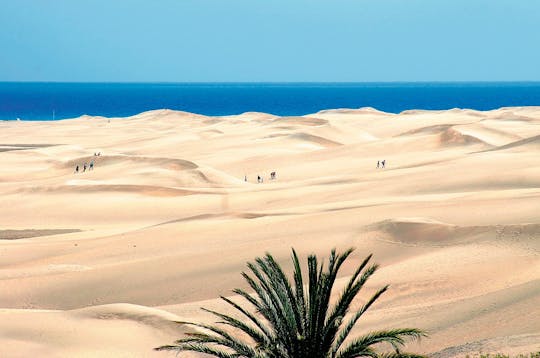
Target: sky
[{"x": 269, "y": 40}]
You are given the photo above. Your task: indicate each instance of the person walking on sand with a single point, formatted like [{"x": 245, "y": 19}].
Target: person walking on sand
[
  {"x": 84, "y": 167},
  {"x": 383, "y": 163},
  {"x": 77, "y": 169},
  {"x": 378, "y": 162},
  {"x": 91, "y": 165},
  {"x": 245, "y": 178}
]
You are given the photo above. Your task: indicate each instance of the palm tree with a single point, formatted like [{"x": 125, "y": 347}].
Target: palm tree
[{"x": 290, "y": 322}]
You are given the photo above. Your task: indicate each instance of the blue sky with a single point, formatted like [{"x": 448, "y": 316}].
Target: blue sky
[{"x": 269, "y": 40}]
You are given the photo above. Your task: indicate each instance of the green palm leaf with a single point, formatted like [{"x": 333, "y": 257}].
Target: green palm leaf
[{"x": 288, "y": 320}]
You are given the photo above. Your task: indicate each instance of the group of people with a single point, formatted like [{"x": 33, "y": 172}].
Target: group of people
[
  {"x": 86, "y": 166},
  {"x": 381, "y": 164},
  {"x": 260, "y": 179}
]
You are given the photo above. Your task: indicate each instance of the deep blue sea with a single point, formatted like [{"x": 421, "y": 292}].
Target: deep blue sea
[{"x": 43, "y": 101}]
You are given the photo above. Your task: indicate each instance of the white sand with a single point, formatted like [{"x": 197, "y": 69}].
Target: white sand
[{"x": 99, "y": 263}]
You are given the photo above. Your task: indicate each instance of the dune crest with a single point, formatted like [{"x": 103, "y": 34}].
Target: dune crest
[{"x": 422, "y": 231}]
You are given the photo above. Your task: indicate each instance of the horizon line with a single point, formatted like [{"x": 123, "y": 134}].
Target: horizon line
[{"x": 278, "y": 82}]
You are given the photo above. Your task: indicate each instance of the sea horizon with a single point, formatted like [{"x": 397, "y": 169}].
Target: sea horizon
[
  {"x": 47, "y": 101},
  {"x": 281, "y": 82}
]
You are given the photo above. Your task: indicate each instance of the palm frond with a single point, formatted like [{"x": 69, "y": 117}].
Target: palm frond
[
  {"x": 341, "y": 308},
  {"x": 299, "y": 287},
  {"x": 290, "y": 297},
  {"x": 264, "y": 330},
  {"x": 278, "y": 316},
  {"x": 279, "y": 289},
  {"x": 219, "y": 337},
  {"x": 200, "y": 348},
  {"x": 344, "y": 333},
  {"x": 395, "y": 337},
  {"x": 266, "y": 306},
  {"x": 252, "y": 332}
]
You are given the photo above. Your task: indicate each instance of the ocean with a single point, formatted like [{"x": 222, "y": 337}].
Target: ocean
[{"x": 55, "y": 101}]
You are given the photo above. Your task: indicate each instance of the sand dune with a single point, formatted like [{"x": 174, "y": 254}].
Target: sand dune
[
  {"x": 23, "y": 234},
  {"x": 100, "y": 263},
  {"x": 172, "y": 163},
  {"x": 89, "y": 332},
  {"x": 527, "y": 144},
  {"x": 428, "y": 232},
  {"x": 363, "y": 110},
  {"x": 303, "y": 121},
  {"x": 418, "y": 231}
]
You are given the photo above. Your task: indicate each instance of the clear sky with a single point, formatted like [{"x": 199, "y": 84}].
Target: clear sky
[{"x": 269, "y": 40}]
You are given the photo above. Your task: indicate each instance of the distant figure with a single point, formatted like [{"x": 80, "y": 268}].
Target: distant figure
[
  {"x": 84, "y": 167},
  {"x": 99, "y": 154},
  {"x": 272, "y": 175},
  {"x": 245, "y": 178},
  {"x": 91, "y": 165},
  {"x": 378, "y": 162},
  {"x": 383, "y": 163},
  {"x": 77, "y": 169},
  {"x": 259, "y": 179}
]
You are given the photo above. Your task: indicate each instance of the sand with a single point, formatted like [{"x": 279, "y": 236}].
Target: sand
[{"x": 101, "y": 263}]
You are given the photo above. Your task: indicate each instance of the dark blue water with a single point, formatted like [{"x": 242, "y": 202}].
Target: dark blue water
[{"x": 31, "y": 101}]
